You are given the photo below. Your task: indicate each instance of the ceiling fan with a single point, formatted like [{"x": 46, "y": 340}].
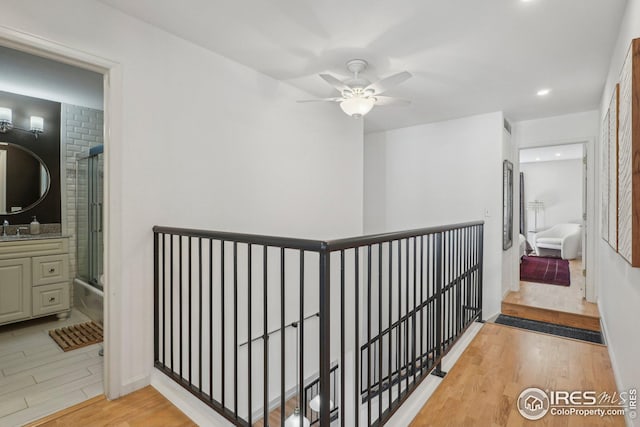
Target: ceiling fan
[{"x": 358, "y": 95}]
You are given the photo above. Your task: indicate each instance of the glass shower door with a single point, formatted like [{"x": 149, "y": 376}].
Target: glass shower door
[{"x": 89, "y": 203}]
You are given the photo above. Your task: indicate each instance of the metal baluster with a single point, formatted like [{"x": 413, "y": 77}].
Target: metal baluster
[
  {"x": 301, "y": 404},
  {"x": 235, "y": 330},
  {"x": 415, "y": 307},
  {"x": 406, "y": 317},
  {"x": 265, "y": 338},
  {"x": 190, "y": 301},
  {"x": 180, "y": 299},
  {"x": 283, "y": 413},
  {"x": 223, "y": 372},
  {"x": 156, "y": 290},
  {"x": 249, "y": 336},
  {"x": 211, "y": 319},
  {"x": 369, "y": 398},
  {"x": 421, "y": 306},
  {"x": 342, "y": 342},
  {"x": 400, "y": 324},
  {"x": 171, "y": 301},
  {"x": 325, "y": 337},
  {"x": 200, "y": 314},
  {"x": 390, "y": 372},
  {"x": 380, "y": 336},
  {"x": 357, "y": 352}
]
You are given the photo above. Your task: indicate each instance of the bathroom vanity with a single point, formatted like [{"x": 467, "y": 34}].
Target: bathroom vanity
[{"x": 34, "y": 277}]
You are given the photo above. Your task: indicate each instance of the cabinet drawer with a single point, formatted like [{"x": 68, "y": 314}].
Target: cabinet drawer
[
  {"x": 50, "y": 298},
  {"x": 50, "y": 269}
]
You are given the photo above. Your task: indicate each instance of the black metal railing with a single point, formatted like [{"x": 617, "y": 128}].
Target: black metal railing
[
  {"x": 312, "y": 390},
  {"x": 363, "y": 320}
]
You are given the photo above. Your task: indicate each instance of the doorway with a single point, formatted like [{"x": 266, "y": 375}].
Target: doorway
[
  {"x": 553, "y": 232},
  {"x": 38, "y": 376}
]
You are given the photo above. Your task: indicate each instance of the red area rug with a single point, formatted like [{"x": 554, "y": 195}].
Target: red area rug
[{"x": 552, "y": 271}]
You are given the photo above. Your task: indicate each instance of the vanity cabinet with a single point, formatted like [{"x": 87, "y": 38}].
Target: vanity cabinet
[
  {"x": 15, "y": 290},
  {"x": 34, "y": 278}
]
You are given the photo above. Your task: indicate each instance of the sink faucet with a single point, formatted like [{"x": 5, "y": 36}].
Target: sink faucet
[{"x": 5, "y": 224}]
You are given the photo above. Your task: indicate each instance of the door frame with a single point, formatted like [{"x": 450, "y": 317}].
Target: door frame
[
  {"x": 591, "y": 292},
  {"x": 112, "y": 104}
]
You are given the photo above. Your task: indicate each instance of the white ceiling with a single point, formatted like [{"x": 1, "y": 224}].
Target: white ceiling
[
  {"x": 551, "y": 153},
  {"x": 467, "y": 56}
]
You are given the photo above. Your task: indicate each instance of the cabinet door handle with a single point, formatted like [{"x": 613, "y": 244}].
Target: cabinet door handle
[
  {"x": 52, "y": 299},
  {"x": 52, "y": 270}
]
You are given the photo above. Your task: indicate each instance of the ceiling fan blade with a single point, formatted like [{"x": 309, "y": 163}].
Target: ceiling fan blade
[
  {"x": 382, "y": 101},
  {"x": 320, "y": 100},
  {"x": 334, "y": 82},
  {"x": 388, "y": 82}
]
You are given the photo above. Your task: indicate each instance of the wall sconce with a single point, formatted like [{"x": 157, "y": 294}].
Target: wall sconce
[{"x": 6, "y": 123}]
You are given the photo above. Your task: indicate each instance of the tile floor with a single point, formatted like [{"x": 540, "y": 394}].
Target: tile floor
[{"x": 37, "y": 378}]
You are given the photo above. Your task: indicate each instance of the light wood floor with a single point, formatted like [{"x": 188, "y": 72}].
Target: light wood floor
[
  {"x": 562, "y": 305},
  {"x": 143, "y": 408},
  {"x": 37, "y": 378},
  {"x": 482, "y": 387}
]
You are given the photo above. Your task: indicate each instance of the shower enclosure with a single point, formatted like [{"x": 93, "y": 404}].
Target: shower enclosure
[{"x": 88, "y": 285}]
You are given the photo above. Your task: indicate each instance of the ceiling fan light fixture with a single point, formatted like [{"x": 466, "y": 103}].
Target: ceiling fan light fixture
[{"x": 357, "y": 106}]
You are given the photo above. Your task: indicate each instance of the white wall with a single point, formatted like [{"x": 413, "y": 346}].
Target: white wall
[
  {"x": 511, "y": 256},
  {"x": 436, "y": 174},
  {"x": 46, "y": 79},
  {"x": 559, "y": 185},
  {"x": 197, "y": 141},
  {"x": 576, "y": 127},
  {"x": 619, "y": 292}
]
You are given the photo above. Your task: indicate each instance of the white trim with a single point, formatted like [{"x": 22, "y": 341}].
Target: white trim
[
  {"x": 589, "y": 144},
  {"x": 112, "y": 72},
  {"x": 192, "y": 407},
  {"x": 64, "y": 215},
  {"x": 614, "y": 363}
]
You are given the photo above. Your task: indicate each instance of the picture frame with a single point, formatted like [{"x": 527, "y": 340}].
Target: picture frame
[{"x": 507, "y": 204}]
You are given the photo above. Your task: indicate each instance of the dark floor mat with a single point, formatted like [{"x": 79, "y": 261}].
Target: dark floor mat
[{"x": 550, "y": 328}]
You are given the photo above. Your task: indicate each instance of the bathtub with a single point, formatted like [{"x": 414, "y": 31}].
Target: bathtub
[{"x": 88, "y": 299}]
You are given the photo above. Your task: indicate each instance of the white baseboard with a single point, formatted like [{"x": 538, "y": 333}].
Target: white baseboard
[
  {"x": 614, "y": 363},
  {"x": 135, "y": 384},
  {"x": 192, "y": 407}
]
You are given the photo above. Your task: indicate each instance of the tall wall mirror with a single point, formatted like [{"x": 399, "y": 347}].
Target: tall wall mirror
[{"x": 507, "y": 204}]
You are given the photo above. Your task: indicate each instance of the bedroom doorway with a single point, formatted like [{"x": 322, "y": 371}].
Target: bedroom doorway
[{"x": 553, "y": 233}]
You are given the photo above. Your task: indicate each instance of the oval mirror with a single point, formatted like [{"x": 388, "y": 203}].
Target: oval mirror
[{"x": 24, "y": 179}]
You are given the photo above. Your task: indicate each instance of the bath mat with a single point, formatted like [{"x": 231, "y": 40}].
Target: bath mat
[
  {"x": 553, "y": 271},
  {"x": 77, "y": 336}
]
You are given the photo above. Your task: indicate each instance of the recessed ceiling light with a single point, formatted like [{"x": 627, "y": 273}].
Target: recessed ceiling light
[
  {"x": 558, "y": 154},
  {"x": 538, "y": 158},
  {"x": 543, "y": 92}
]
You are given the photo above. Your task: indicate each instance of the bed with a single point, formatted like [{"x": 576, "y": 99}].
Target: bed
[{"x": 523, "y": 246}]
